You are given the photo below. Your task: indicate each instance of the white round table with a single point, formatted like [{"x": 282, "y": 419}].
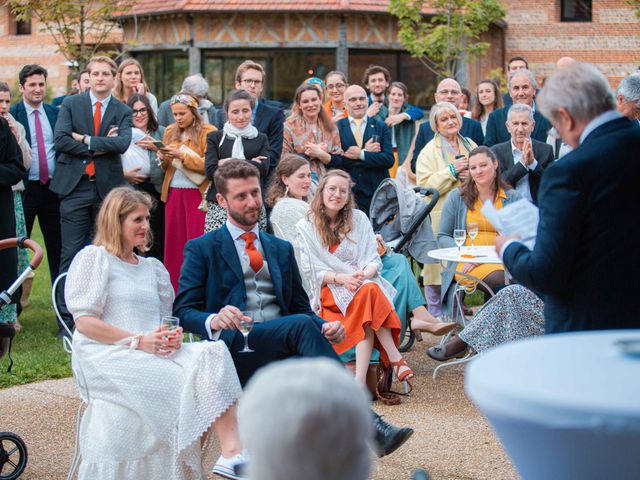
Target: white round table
[
  {"x": 565, "y": 406},
  {"x": 478, "y": 254}
]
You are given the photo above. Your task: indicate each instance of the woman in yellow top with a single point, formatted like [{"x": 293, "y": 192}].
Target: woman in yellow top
[
  {"x": 442, "y": 164},
  {"x": 462, "y": 207},
  {"x": 184, "y": 183}
]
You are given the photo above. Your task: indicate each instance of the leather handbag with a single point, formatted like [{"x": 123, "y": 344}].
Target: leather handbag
[{"x": 379, "y": 381}]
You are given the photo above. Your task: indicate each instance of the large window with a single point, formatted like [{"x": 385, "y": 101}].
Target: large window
[
  {"x": 575, "y": 10},
  {"x": 285, "y": 70},
  {"x": 164, "y": 71},
  {"x": 420, "y": 81}
]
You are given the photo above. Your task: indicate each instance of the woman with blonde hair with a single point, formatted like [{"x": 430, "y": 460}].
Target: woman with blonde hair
[
  {"x": 130, "y": 80},
  {"x": 153, "y": 399},
  {"x": 184, "y": 182},
  {"x": 340, "y": 258},
  {"x": 310, "y": 132},
  {"x": 442, "y": 164}
]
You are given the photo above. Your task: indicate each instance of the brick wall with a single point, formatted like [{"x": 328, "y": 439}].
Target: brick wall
[
  {"x": 611, "y": 40},
  {"x": 19, "y": 50}
]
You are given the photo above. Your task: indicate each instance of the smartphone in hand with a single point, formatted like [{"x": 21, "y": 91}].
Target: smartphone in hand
[{"x": 159, "y": 144}]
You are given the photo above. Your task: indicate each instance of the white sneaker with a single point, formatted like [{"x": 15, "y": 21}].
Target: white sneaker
[{"x": 226, "y": 467}]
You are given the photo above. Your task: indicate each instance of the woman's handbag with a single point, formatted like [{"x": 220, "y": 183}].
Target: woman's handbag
[{"x": 379, "y": 381}]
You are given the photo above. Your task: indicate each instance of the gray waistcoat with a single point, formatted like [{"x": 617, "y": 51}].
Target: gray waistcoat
[{"x": 261, "y": 295}]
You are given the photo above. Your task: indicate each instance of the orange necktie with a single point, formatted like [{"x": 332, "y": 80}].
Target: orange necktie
[
  {"x": 255, "y": 258},
  {"x": 90, "y": 169}
]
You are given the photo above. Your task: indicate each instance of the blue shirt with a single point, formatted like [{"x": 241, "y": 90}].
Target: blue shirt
[{"x": 47, "y": 133}]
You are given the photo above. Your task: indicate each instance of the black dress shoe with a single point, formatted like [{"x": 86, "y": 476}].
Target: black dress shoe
[{"x": 388, "y": 438}]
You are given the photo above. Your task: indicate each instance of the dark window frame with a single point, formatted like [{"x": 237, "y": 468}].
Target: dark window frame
[{"x": 585, "y": 17}]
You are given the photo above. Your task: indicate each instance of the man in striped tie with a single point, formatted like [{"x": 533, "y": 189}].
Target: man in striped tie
[{"x": 93, "y": 129}]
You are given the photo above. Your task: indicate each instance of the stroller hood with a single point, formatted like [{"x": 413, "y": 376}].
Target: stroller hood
[{"x": 399, "y": 213}]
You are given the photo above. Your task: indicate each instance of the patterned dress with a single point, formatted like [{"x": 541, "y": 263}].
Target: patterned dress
[{"x": 514, "y": 313}]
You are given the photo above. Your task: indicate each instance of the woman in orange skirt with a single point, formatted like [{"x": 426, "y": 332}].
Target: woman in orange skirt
[{"x": 339, "y": 256}]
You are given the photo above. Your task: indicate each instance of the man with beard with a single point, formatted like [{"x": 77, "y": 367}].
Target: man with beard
[{"x": 238, "y": 270}]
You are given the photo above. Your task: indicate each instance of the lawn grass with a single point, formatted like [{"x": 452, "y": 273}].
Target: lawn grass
[{"x": 37, "y": 351}]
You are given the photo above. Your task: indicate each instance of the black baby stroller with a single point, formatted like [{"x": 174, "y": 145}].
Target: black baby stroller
[
  {"x": 401, "y": 216},
  {"x": 13, "y": 451}
]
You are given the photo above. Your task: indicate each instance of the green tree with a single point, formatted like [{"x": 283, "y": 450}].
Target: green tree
[
  {"x": 445, "y": 40},
  {"x": 636, "y": 5},
  {"x": 80, "y": 29}
]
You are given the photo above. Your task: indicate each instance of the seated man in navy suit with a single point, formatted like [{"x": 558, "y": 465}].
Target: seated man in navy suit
[
  {"x": 238, "y": 268},
  {"x": 448, "y": 91},
  {"x": 367, "y": 158}
]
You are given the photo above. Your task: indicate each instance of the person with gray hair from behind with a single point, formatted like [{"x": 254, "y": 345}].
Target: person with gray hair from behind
[
  {"x": 197, "y": 86},
  {"x": 584, "y": 243},
  {"x": 306, "y": 419},
  {"x": 523, "y": 159},
  {"x": 628, "y": 96}
]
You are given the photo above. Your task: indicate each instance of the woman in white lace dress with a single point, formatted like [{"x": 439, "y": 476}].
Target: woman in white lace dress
[{"x": 153, "y": 400}]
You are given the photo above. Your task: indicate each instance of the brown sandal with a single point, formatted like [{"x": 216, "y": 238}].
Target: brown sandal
[{"x": 440, "y": 328}]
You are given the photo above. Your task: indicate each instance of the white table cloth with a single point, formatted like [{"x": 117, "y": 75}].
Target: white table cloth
[
  {"x": 565, "y": 406},
  {"x": 478, "y": 254}
]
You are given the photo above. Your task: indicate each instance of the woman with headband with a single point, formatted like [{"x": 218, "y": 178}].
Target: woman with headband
[{"x": 182, "y": 157}]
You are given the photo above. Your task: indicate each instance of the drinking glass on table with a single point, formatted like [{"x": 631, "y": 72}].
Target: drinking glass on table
[
  {"x": 459, "y": 236},
  {"x": 246, "y": 325},
  {"x": 472, "y": 230}
]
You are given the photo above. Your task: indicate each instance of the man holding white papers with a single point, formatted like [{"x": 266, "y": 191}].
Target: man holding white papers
[
  {"x": 523, "y": 159},
  {"x": 586, "y": 243}
]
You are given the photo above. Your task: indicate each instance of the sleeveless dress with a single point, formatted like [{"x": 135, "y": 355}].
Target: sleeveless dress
[{"x": 147, "y": 413}]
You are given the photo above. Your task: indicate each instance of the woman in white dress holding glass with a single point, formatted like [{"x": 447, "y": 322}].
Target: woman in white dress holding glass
[{"x": 153, "y": 399}]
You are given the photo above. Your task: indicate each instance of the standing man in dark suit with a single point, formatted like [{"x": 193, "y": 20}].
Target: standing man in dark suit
[
  {"x": 586, "y": 238},
  {"x": 39, "y": 121},
  {"x": 11, "y": 172},
  {"x": 523, "y": 159},
  {"x": 366, "y": 142},
  {"x": 239, "y": 268},
  {"x": 448, "y": 91},
  {"x": 513, "y": 65},
  {"x": 93, "y": 129},
  {"x": 522, "y": 88},
  {"x": 267, "y": 117}
]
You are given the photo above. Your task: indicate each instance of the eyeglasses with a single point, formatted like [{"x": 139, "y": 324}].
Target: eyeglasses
[
  {"x": 337, "y": 86},
  {"x": 250, "y": 81},
  {"x": 449, "y": 92},
  {"x": 332, "y": 189},
  {"x": 142, "y": 111}
]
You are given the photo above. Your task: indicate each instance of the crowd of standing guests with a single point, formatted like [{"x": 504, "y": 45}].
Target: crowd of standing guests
[{"x": 328, "y": 286}]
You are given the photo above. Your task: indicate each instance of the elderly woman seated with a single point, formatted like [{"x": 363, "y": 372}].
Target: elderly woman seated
[
  {"x": 462, "y": 212},
  {"x": 442, "y": 164}
]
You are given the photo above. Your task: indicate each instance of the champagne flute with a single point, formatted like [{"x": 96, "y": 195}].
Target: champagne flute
[
  {"x": 472, "y": 230},
  {"x": 459, "y": 236},
  {"x": 246, "y": 325}
]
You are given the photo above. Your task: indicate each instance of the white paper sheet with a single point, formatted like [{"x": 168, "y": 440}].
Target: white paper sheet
[{"x": 519, "y": 219}]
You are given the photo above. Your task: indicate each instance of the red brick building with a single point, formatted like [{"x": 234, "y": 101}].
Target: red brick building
[{"x": 295, "y": 39}]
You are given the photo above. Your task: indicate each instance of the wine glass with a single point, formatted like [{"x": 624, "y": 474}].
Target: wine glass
[
  {"x": 459, "y": 236},
  {"x": 246, "y": 325},
  {"x": 472, "y": 230}
]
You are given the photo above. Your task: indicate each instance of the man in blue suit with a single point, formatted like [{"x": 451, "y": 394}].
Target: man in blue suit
[
  {"x": 585, "y": 248},
  {"x": 448, "y": 91},
  {"x": 366, "y": 158},
  {"x": 238, "y": 268},
  {"x": 522, "y": 88},
  {"x": 39, "y": 121}
]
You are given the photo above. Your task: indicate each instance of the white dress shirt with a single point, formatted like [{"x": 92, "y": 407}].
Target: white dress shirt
[
  {"x": 103, "y": 108},
  {"x": 522, "y": 186}
]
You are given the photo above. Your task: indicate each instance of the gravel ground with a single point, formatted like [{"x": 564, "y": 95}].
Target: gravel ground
[{"x": 452, "y": 441}]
